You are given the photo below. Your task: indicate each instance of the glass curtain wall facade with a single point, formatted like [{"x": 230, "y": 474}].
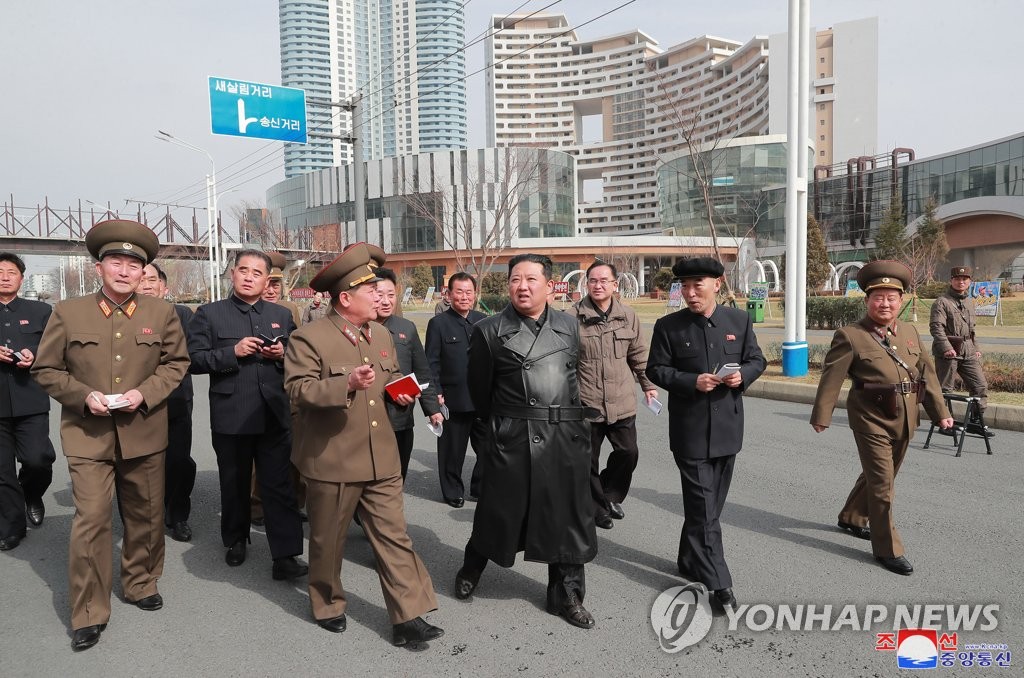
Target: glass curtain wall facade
[
  {"x": 739, "y": 174},
  {"x": 850, "y": 207},
  {"x": 437, "y": 201}
]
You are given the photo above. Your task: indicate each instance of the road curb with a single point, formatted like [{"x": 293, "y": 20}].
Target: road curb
[{"x": 1006, "y": 417}]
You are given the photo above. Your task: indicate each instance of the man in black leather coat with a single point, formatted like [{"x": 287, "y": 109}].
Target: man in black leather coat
[{"x": 535, "y": 480}]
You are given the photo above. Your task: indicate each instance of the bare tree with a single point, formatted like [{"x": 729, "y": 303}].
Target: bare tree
[
  {"x": 477, "y": 220},
  {"x": 699, "y": 137}
]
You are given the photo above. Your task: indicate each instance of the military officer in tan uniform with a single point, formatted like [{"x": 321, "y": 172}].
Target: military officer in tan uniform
[
  {"x": 335, "y": 372},
  {"x": 111, "y": 359},
  {"x": 891, "y": 374},
  {"x": 953, "y": 343}
]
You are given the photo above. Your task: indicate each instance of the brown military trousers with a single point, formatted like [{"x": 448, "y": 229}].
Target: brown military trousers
[{"x": 872, "y": 495}]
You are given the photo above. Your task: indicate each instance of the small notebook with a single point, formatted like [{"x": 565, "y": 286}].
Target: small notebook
[
  {"x": 406, "y": 385},
  {"x": 727, "y": 369}
]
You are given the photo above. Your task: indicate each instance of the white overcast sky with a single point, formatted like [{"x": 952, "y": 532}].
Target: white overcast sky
[{"x": 86, "y": 84}]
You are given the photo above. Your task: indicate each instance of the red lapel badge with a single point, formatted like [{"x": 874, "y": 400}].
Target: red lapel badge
[
  {"x": 25, "y": 322},
  {"x": 147, "y": 330},
  {"x": 275, "y": 326},
  {"x": 401, "y": 335},
  {"x": 383, "y": 354},
  {"x": 730, "y": 337}
]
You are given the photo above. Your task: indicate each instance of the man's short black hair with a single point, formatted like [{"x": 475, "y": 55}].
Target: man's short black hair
[
  {"x": 532, "y": 258},
  {"x": 262, "y": 256},
  {"x": 387, "y": 274},
  {"x": 461, "y": 275},
  {"x": 598, "y": 263},
  {"x": 160, "y": 273},
  {"x": 14, "y": 259}
]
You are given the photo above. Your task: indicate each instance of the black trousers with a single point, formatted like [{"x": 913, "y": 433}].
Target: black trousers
[
  {"x": 405, "y": 440},
  {"x": 612, "y": 484},
  {"x": 271, "y": 452},
  {"x": 563, "y": 578},
  {"x": 24, "y": 440},
  {"x": 179, "y": 468},
  {"x": 705, "y": 487},
  {"x": 460, "y": 430}
]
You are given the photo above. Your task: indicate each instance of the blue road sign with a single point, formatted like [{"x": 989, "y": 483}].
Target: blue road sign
[{"x": 241, "y": 108}]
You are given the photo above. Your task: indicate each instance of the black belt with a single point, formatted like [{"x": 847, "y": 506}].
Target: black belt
[
  {"x": 552, "y": 414},
  {"x": 902, "y": 387}
]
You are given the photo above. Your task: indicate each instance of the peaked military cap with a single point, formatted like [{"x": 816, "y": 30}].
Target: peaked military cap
[
  {"x": 278, "y": 262},
  {"x": 120, "y": 236},
  {"x": 356, "y": 266},
  {"x": 698, "y": 267},
  {"x": 960, "y": 271},
  {"x": 884, "y": 274}
]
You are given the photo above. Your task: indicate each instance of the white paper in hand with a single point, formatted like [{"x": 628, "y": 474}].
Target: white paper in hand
[
  {"x": 727, "y": 369},
  {"x": 436, "y": 430},
  {"x": 116, "y": 401},
  {"x": 655, "y": 406},
  {"x": 444, "y": 411}
]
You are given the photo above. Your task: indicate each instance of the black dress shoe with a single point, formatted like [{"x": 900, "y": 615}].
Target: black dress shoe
[
  {"x": 858, "y": 532},
  {"x": 150, "y": 603},
  {"x": 979, "y": 430},
  {"x": 573, "y": 612},
  {"x": 180, "y": 531},
  {"x": 335, "y": 625},
  {"x": 604, "y": 521},
  {"x": 899, "y": 565},
  {"x": 724, "y": 598},
  {"x": 946, "y": 431},
  {"x": 236, "y": 554},
  {"x": 86, "y": 637},
  {"x": 415, "y": 631},
  {"x": 465, "y": 584},
  {"x": 288, "y": 568},
  {"x": 615, "y": 509},
  {"x": 8, "y": 543},
  {"x": 456, "y": 503},
  {"x": 35, "y": 511}
]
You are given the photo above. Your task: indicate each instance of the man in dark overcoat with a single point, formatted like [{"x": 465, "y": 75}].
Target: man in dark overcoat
[
  {"x": 689, "y": 349},
  {"x": 179, "y": 467},
  {"x": 24, "y": 408},
  {"x": 447, "y": 348},
  {"x": 535, "y": 481},
  {"x": 231, "y": 340},
  {"x": 411, "y": 360}
]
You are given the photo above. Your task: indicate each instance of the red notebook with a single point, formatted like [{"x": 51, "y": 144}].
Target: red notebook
[{"x": 406, "y": 385}]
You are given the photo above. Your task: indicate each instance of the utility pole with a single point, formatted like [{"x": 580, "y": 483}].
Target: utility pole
[
  {"x": 794, "y": 348},
  {"x": 354, "y": 106}
]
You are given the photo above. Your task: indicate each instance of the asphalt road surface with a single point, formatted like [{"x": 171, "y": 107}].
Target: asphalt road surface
[{"x": 960, "y": 520}]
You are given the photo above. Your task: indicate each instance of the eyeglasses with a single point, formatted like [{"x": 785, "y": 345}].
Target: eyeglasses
[{"x": 600, "y": 282}]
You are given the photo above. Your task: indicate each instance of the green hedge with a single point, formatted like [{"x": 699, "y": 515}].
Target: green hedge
[
  {"x": 831, "y": 313},
  {"x": 493, "y": 303},
  {"x": 932, "y": 289}
]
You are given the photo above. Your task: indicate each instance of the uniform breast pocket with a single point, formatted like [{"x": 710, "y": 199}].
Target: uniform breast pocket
[
  {"x": 732, "y": 348},
  {"x": 686, "y": 357},
  {"x": 31, "y": 328},
  {"x": 228, "y": 338},
  {"x": 336, "y": 370},
  {"x": 623, "y": 338},
  {"x": 451, "y": 341},
  {"x": 148, "y": 340}
]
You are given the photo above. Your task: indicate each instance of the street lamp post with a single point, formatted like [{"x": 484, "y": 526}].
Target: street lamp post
[{"x": 213, "y": 233}]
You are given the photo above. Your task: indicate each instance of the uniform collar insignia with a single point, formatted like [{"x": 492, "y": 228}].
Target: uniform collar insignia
[
  {"x": 105, "y": 307},
  {"x": 130, "y": 309},
  {"x": 350, "y": 335}
]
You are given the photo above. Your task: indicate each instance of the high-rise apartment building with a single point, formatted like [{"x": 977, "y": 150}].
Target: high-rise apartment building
[
  {"x": 335, "y": 49},
  {"x": 621, "y": 105},
  {"x": 441, "y": 72}
]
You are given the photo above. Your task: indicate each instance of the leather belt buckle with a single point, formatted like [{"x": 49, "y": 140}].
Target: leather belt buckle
[
  {"x": 554, "y": 414},
  {"x": 906, "y": 387}
]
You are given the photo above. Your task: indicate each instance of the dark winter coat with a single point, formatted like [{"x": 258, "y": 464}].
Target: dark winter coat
[{"x": 535, "y": 473}]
